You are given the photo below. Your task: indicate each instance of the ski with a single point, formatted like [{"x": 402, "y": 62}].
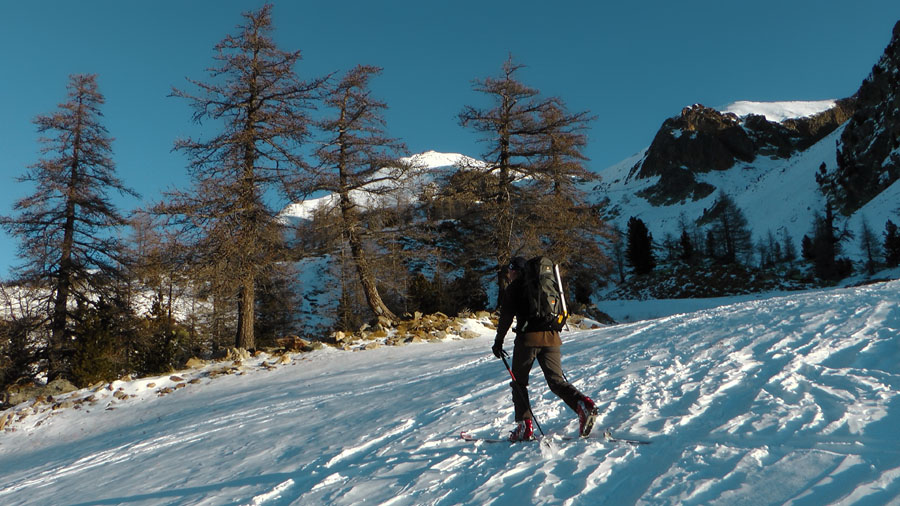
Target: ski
[
  {"x": 607, "y": 436},
  {"x": 466, "y": 436}
]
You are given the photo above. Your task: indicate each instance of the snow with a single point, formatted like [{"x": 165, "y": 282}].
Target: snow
[
  {"x": 424, "y": 168},
  {"x": 780, "y": 111},
  {"x": 774, "y": 400}
]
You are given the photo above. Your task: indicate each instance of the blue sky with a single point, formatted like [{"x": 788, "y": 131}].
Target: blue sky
[{"x": 632, "y": 64}]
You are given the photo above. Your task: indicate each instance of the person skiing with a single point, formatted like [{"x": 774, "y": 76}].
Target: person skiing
[{"x": 534, "y": 340}]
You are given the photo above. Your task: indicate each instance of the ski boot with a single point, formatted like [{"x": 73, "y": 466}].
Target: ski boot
[
  {"x": 522, "y": 432},
  {"x": 587, "y": 414}
]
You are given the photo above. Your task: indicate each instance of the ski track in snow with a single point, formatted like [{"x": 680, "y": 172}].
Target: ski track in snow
[{"x": 788, "y": 400}]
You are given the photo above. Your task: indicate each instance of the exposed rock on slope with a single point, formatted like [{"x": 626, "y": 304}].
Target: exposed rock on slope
[{"x": 702, "y": 139}]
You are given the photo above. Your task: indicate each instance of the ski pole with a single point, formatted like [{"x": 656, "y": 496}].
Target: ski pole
[{"x": 517, "y": 388}]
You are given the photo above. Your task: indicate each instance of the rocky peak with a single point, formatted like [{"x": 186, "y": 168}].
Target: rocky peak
[{"x": 702, "y": 139}]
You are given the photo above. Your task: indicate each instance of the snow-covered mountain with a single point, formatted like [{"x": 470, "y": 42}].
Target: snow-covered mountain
[
  {"x": 785, "y": 400},
  {"x": 767, "y": 157},
  {"x": 776, "y": 194},
  {"x": 424, "y": 169},
  {"x": 869, "y": 151},
  {"x": 780, "y": 111}
]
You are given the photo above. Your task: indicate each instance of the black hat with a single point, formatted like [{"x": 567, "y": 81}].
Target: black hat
[{"x": 517, "y": 264}]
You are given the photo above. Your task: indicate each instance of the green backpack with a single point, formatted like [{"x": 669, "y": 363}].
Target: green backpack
[{"x": 544, "y": 293}]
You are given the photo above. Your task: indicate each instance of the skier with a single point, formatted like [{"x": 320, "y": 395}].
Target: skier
[{"x": 534, "y": 341}]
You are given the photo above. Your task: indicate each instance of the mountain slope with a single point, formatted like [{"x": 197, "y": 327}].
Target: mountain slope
[
  {"x": 782, "y": 400},
  {"x": 768, "y": 160},
  {"x": 424, "y": 169},
  {"x": 774, "y": 193},
  {"x": 869, "y": 152}
]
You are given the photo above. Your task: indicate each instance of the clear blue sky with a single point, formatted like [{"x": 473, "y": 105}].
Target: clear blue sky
[{"x": 632, "y": 64}]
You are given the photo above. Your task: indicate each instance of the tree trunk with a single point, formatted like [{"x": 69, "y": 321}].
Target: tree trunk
[
  {"x": 58, "y": 368},
  {"x": 505, "y": 216},
  {"x": 366, "y": 278},
  {"x": 246, "y": 315},
  {"x": 59, "y": 348}
]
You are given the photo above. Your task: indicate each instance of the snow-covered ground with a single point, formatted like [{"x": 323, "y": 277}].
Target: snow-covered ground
[{"x": 785, "y": 400}]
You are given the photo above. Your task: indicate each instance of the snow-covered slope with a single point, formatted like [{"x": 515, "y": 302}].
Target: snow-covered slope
[
  {"x": 785, "y": 400},
  {"x": 424, "y": 168},
  {"x": 773, "y": 193},
  {"x": 777, "y": 195}
]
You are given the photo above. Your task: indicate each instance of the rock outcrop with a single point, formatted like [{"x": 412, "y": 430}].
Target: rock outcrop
[{"x": 702, "y": 139}]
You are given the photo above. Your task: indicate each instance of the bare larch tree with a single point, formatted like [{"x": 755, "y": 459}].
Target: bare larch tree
[
  {"x": 358, "y": 163},
  {"x": 533, "y": 139},
  {"x": 262, "y": 109},
  {"x": 68, "y": 227}
]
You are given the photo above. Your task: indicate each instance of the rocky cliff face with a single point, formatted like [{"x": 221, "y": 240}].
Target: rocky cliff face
[
  {"x": 869, "y": 152},
  {"x": 702, "y": 139}
]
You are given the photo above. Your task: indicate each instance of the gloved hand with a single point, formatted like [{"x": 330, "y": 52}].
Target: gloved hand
[{"x": 497, "y": 348}]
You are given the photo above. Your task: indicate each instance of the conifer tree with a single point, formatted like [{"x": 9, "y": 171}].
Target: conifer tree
[
  {"x": 807, "y": 251},
  {"x": 733, "y": 240},
  {"x": 869, "y": 246},
  {"x": 686, "y": 246},
  {"x": 788, "y": 250},
  {"x": 566, "y": 227},
  {"x": 825, "y": 246},
  {"x": 710, "y": 245},
  {"x": 21, "y": 342},
  {"x": 68, "y": 227},
  {"x": 891, "y": 244},
  {"x": 159, "y": 262},
  {"x": 261, "y": 106},
  {"x": 640, "y": 247},
  {"x": 770, "y": 252},
  {"x": 276, "y": 303},
  {"x": 619, "y": 253}
]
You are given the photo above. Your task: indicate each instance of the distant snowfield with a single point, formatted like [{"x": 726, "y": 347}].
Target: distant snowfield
[
  {"x": 780, "y": 111},
  {"x": 787, "y": 400}
]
